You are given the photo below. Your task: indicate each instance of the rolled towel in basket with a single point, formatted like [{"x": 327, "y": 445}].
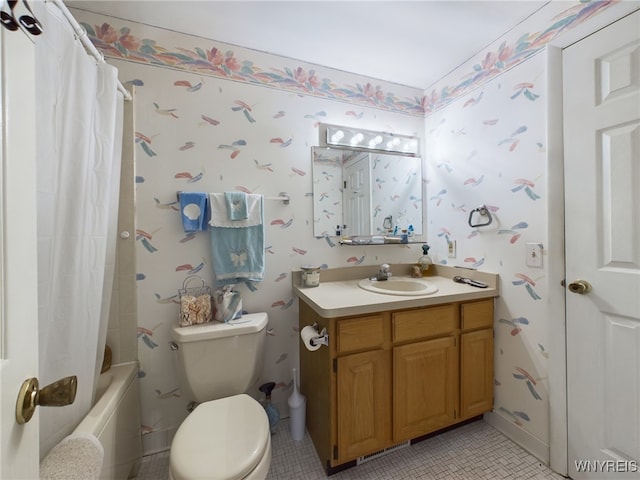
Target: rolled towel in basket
[{"x": 78, "y": 456}]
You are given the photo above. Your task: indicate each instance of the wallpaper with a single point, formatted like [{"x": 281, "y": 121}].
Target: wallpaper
[
  {"x": 179, "y": 150},
  {"x": 196, "y": 133},
  {"x": 489, "y": 148},
  {"x": 529, "y": 38},
  {"x": 243, "y": 65}
]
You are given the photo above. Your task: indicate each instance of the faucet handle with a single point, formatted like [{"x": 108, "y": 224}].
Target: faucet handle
[{"x": 385, "y": 267}]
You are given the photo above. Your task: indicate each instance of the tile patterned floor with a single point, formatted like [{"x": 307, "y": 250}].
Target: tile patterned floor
[{"x": 475, "y": 451}]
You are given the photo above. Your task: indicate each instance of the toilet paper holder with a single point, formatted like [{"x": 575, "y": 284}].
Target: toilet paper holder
[{"x": 322, "y": 338}]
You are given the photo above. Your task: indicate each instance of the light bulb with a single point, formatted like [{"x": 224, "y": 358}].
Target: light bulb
[
  {"x": 337, "y": 136},
  {"x": 357, "y": 138}
]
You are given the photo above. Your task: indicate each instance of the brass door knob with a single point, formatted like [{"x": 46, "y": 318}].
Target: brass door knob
[
  {"x": 580, "y": 286},
  {"x": 56, "y": 394}
]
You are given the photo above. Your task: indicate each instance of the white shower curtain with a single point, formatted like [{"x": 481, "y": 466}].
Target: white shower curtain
[{"x": 79, "y": 140}]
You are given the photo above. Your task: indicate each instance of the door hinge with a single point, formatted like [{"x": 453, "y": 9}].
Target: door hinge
[
  {"x": 344, "y": 184},
  {"x": 335, "y": 365},
  {"x": 335, "y": 452}
]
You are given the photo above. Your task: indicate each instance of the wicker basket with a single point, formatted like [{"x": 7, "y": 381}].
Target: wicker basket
[{"x": 196, "y": 306}]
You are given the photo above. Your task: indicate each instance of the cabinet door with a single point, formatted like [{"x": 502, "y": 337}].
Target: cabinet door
[
  {"x": 425, "y": 387},
  {"x": 363, "y": 403},
  {"x": 476, "y": 357}
]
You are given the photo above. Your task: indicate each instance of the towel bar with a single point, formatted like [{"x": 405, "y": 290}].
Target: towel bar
[
  {"x": 282, "y": 196},
  {"x": 484, "y": 212}
]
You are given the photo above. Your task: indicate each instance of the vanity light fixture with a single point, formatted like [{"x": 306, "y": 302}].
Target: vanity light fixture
[{"x": 370, "y": 140}]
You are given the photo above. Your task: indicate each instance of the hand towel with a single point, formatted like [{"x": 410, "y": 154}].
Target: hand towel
[
  {"x": 220, "y": 217},
  {"x": 194, "y": 212},
  {"x": 237, "y": 247},
  {"x": 236, "y": 205},
  {"x": 78, "y": 456}
]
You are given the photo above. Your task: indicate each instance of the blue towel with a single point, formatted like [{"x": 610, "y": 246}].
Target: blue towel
[
  {"x": 238, "y": 253},
  {"x": 194, "y": 212},
  {"x": 236, "y": 205}
]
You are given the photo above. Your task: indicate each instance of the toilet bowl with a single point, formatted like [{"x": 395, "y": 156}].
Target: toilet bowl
[
  {"x": 223, "y": 439},
  {"x": 227, "y": 435}
]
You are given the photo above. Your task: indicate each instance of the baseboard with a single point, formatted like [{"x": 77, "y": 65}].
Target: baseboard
[
  {"x": 157, "y": 441},
  {"x": 530, "y": 443}
]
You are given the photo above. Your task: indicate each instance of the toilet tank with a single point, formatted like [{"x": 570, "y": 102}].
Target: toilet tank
[{"x": 217, "y": 360}]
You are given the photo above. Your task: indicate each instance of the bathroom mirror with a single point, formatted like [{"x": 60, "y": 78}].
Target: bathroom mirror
[{"x": 369, "y": 192}]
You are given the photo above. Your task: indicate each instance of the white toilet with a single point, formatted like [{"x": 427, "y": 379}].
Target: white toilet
[{"x": 227, "y": 435}]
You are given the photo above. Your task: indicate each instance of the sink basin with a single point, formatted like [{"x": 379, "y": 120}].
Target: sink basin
[{"x": 398, "y": 286}]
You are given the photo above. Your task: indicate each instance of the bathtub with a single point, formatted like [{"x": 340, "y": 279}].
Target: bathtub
[{"x": 115, "y": 420}]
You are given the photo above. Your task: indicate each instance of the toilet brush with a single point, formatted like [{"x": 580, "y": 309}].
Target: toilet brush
[{"x": 297, "y": 410}]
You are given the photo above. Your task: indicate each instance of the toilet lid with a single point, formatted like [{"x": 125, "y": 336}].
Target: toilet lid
[{"x": 220, "y": 439}]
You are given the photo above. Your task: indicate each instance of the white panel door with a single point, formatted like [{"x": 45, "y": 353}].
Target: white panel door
[
  {"x": 601, "y": 76},
  {"x": 357, "y": 196},
  {"x": 19, "y": 449}
]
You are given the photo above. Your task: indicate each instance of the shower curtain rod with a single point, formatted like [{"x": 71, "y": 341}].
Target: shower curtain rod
[{"x": 82, "y": 35}]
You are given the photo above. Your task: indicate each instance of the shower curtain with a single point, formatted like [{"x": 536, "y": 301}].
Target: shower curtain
[{"x": 79, "y": 140}]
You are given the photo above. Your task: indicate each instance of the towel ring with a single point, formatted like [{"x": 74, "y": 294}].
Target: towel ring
[{"x": 483, "y": 211}]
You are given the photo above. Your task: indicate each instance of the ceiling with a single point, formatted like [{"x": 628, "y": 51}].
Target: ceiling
[{"x": 413, "y": 43}]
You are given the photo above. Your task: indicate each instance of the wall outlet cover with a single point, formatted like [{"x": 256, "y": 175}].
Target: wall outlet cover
[{"x": 451, "y": 246}]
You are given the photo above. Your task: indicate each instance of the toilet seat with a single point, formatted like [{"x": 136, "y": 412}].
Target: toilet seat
[{"x": 221, "y": 439}]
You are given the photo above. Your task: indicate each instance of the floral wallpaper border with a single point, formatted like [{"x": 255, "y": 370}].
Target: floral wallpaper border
[
  {"x": 508, "y": 55},
  {"x": 222, "y": 62}
]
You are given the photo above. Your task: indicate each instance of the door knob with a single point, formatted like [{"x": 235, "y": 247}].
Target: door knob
[
  {"x": 580, "y": 286},
  {"x": 56, "y": 394}
]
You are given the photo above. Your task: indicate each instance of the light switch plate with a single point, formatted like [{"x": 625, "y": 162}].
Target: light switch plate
[{"x": 534, "y": 255}]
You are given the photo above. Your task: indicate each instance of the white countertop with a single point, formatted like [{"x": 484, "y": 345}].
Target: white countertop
[{"x": 337, "y": 298}]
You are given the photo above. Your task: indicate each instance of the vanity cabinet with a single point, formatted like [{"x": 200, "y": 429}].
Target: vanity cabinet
[
  {"x": 476, "y": 358},
  {"x": 425, "y": 387},
  {"x": 363, "y": 383},
  {"x": 394, "y": 376}
]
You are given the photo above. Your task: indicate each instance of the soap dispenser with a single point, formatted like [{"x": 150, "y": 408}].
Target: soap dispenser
[
  {"x": 272, "y": 411},
  {"x": 424, "y": 262}
]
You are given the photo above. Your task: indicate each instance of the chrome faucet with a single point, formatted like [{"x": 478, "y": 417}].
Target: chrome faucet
[{"x": 383, "y": 274}]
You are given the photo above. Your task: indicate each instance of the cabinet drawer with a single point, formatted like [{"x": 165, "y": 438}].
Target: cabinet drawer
[
  {"x": 423, "y": 322},
  {"x": 476, "y": 315},
  {"x": 359, "y": 333}
]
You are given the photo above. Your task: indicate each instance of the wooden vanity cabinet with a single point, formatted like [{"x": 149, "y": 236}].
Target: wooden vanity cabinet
[
  {"x": 425, "y": 370},
  {"x": 363, "y": 403},
  {"x": 393, "y": 376},
  {"x": 363, "y": 382},
  {"x": 476, "y": 358},
  {"x": 425, "y": 387}
]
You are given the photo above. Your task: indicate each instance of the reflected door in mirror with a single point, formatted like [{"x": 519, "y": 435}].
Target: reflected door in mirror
[{"x": 356, "y": 174}]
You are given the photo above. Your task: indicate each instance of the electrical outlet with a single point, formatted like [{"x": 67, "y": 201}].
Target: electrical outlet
[
  {"x": 534, "y": 255},
  {"x": 451, "y": 245}
]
